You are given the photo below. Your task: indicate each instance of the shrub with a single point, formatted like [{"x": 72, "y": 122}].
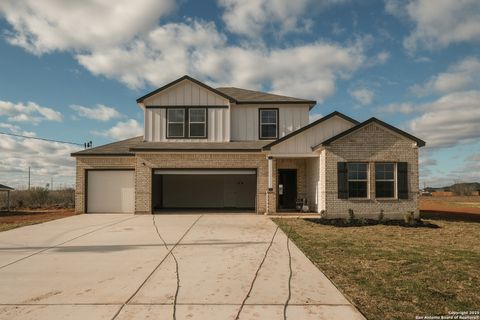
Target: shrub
[
  {"x": 381, "y": 216},
  {"x": 351, "y": 216},
  {"x": 38, "y": 197},
  {"x": 323, "y": 214},
  {"x": 409, "y": 218}
]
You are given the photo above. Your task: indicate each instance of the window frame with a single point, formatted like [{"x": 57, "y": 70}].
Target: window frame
[
  {"x": 394, "y": 181},
  {"x": 169, "y": 136},
  {"x": 277, "y": 113},
  {"x": 367, "y": 180},
  {"x": 186, "y": 123},
  {"x": 205, "y": 123}
]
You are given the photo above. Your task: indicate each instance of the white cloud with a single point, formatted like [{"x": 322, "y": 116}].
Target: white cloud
[
  {"x": 29, "y": 112},
  {"x": 197, "y": 48},
  {"x": 404, "y": 108},
  {"x": 123, "y": 130},
  {"x": 362, "y": 95},
  {"x": 253, "y": 18},
  {"x": 460, "y": 76},
  {"x": 48, "y": 25},
  {"x": 16, "y": 129},
  {"x": 46, "y": 159},
  {"x": 451, "y": 120},
  {"x": 99, "y": 112},
  {"x": 312, "y": 117},
  {"x": 438, "y": 23}
]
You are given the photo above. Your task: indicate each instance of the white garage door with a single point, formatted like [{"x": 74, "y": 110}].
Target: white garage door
[{"x": 111, "y": 191}]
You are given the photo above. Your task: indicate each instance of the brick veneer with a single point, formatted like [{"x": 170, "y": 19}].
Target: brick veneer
[{"x": 371, "y": 144}]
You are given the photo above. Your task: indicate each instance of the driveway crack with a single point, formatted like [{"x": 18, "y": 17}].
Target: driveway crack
[
  {"x": 176, "y": 269},
  {"x": 289, "y": 280},
  {"x": 156, "y": 268},
  {"x": 256, "y": 275}
]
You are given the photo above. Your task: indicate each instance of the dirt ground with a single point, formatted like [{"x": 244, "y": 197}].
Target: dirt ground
[
  {"x": 15, "y": 219},
  {"x": 461, "y": 204}
]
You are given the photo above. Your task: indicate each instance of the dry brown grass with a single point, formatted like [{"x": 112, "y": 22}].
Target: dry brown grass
[
  {"x": 395, "y": 272},
  {"x": 15, "y": 219}
]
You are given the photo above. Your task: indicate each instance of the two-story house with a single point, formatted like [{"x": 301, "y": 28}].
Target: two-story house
[{"x": 230, "y": 149}]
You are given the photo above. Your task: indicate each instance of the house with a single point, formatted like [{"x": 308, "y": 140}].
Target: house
[{"x": 233, "y": 149}]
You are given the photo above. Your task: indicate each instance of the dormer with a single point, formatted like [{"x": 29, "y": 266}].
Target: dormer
[{"x": 187, "y": 110}]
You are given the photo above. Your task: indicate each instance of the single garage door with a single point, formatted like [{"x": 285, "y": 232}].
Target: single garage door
[
  {"x": 204, "y": 189},
  {"x": 110, "y": 191}
]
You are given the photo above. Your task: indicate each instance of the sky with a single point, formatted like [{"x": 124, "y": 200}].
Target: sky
[{"x": 71, "y": 70}]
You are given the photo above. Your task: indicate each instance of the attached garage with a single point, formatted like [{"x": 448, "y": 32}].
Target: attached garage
[
  {"x": 227, "y": 189},
  {"x": 110, "y": 191}
]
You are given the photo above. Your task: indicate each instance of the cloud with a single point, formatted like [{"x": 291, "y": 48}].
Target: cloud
[
  {"x": 314, "y": 116},
  {"x": 404, "y": 108},
  {"x": 439, "y": 23},
  {"x": 253, "y": 18},
  {"x": 123, "y": 130},
  {"x": 198, "y": 49},
  {"x": 49, "y": 25},
  {"x": 16, "y": 129},
  {"x": 450, "y": 120},
  {"x": 46, "y": 160},
  {"x": 362, "y": 95},
  {"x": 99, "y": 112},
  {"x": 29, "y": 112},
  {"x": 461, "y": 76}
]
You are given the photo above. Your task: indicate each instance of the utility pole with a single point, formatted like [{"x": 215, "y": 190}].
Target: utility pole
[
  {"x": 28, "y": 178},
  {"x": 51, "y": 183}
]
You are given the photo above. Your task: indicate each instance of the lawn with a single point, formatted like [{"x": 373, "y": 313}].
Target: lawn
[
  {"x": 463, "y": 204},
  {"x": 396, "y": 272},
  {"x": 15, "y": 219}
]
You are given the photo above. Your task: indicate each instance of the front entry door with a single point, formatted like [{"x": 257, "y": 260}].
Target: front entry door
[{"x": 287, "y": 188}]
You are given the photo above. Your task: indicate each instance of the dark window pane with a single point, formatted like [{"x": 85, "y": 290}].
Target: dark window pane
[
  {"x": 269, "y": 131},
  {"x": 357, "y": 171},
  {"x": 197, "y": 115},
  {"x": 384, "y": 171},
  {"x": 384, "y": 189},
  {"x": 176, "y": 115},
  {"x": 357, "y": 189},
  {"x": 268, "y": 116},
  {"x": 197, "y": 129},
  {"x": 175, "y": 129}
]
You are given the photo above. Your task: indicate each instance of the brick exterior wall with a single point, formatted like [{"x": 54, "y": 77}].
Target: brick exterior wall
[
  {"x": 146, "y": 162},
  {"x": 371, "y": 144},
  {"x": 85, "y": 163}
]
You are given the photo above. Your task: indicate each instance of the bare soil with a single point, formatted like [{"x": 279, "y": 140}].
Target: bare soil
[{"x": 14, "y": 219}]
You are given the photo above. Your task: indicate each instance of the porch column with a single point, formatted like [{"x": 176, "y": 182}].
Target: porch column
[{"x": 270, "y": 178}]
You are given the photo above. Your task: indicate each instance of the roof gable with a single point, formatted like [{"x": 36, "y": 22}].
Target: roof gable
[
  {"x": 185, "y": 77},
  {"x": 419, "y": 142},
  {"x": 308, "y": 126}
]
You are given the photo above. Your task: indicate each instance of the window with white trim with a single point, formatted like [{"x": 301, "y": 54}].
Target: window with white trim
[
  {"x": 197, "y": 122},
  {"x": 268, "y": 124},
  {"x": 175, "y": 123},
  {"x": 385, "y": 180},
  {"x": 357, "y": 180}
]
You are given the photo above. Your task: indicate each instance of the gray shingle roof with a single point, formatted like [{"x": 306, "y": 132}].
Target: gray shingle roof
[
  {"x": 119, "y": 148},
  {"x": 128, "y": 147},
  {"x": 251, "y": 96},
  {"x": 240, "y": 146}
]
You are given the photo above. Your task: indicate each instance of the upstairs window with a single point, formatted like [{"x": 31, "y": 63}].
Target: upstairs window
[
  {"x": 268, "y": 123},
  {"x": 197, "y": 123},
  {"x": 357, "y": 180},
  {"x": 385, "y": 180},
  {"x": 175, "y": 123}
]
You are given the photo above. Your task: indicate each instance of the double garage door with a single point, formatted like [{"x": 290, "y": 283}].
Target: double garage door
[{"x": 113, "y": 191}]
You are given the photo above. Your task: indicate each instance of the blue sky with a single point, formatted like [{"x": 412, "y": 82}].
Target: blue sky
[{"x": 72, "y": 71}]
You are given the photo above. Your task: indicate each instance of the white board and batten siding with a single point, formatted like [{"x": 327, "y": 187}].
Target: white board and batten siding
[
  {"x": 244, "y": 119},
  {"x": 187, "y": 94},
  {"x": 303, "y": 142}
]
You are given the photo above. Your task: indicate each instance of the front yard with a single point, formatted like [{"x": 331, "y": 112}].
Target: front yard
[{"x": 395, "y": 272}]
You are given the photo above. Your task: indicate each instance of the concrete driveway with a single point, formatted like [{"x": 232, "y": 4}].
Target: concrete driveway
[{"x": 161, "y": 267}]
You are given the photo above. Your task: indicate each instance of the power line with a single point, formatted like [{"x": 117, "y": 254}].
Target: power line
[{"x": 43, "y": 139}]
